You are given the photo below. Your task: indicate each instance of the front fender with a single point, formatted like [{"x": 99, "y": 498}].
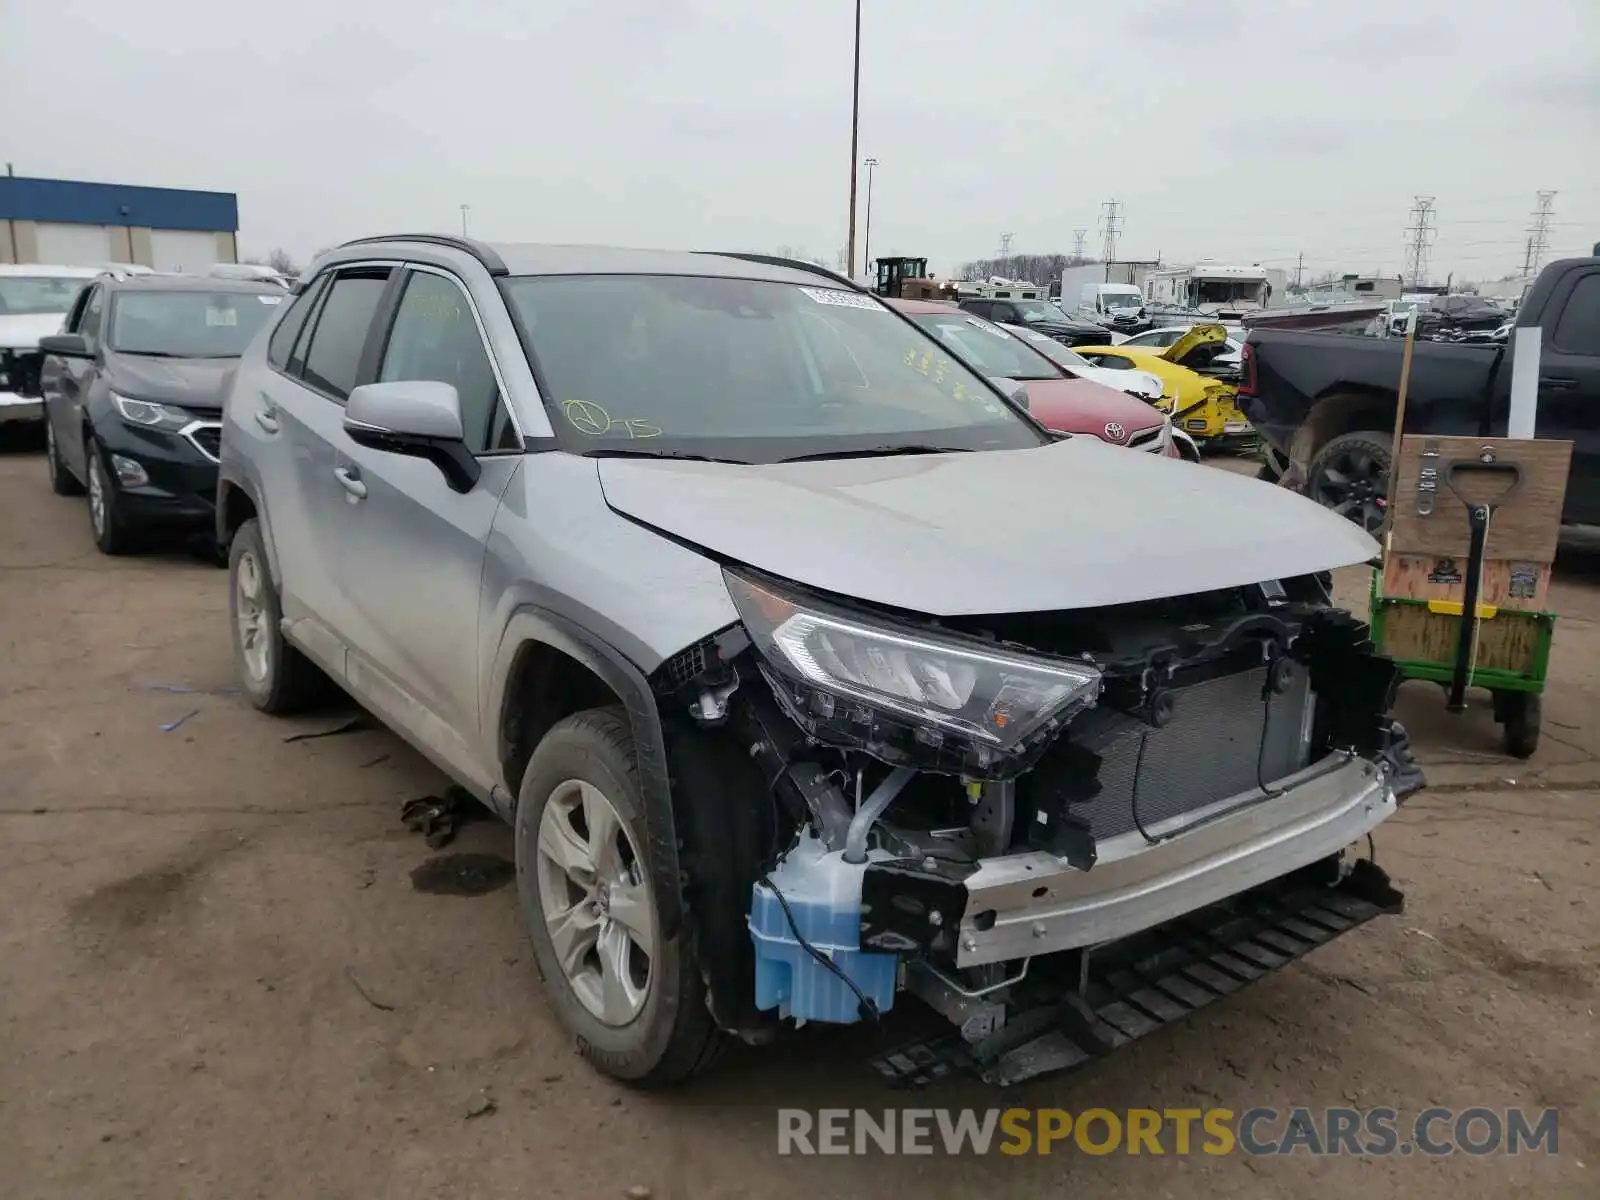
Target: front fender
[{"x": 531, "y": 624}]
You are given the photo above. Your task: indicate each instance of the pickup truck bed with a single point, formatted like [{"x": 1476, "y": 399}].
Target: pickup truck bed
[{"x": 1326, "y": 402}]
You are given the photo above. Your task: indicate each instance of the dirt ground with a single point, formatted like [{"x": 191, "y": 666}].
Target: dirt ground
[{"x": 217, "y": 978}]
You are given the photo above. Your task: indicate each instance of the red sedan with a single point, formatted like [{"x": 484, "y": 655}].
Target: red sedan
[{"x": 1056, "y": 400}]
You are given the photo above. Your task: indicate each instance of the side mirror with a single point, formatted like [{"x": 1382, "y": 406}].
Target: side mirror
[
  {"x": 67, "y": 345},
  {"x": 418, "y": 417}
]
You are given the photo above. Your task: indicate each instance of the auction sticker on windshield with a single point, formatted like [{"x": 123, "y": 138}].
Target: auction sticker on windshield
[{"x": 843, "y": 299}]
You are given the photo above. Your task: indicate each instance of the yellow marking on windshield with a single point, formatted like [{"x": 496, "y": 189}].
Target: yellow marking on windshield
[{"x": 590, "y": 419}]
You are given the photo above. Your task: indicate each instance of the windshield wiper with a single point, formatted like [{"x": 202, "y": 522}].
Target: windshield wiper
[
  {"x": 623, "y": 452},
  {"x": 875, "y": 452},
  {"x": 148, "y": 353}
]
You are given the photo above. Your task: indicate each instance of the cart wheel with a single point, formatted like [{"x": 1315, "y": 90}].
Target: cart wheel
[{"x": 1523, "y": 711}]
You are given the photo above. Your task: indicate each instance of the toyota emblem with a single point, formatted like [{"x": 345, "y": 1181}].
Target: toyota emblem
[{"x": 1115, "y": 432}]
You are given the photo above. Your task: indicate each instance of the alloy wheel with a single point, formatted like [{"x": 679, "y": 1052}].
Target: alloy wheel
[
  {"x": 98, "y": 502},
  {"x": 596, "y": 903},
  {"x": 255, "y": 643},
  {"x": 1355, "y": 484}
]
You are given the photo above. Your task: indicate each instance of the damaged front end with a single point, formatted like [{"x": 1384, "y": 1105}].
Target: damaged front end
[{"x": 986, "y": 811}]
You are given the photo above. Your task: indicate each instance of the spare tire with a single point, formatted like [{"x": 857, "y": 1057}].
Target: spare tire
[{"x": 1350, "y": 475}]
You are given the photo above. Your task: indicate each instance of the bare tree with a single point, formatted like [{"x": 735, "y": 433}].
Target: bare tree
[
  {"x": 1031, "y": 268},
  {"x": 280, "y": 261}
]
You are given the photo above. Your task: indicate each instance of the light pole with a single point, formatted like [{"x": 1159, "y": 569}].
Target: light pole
[
  {"x": 866, "y": 237},
  {"x": 464, "y": 210},
  {"x": 855, "y": 121}
]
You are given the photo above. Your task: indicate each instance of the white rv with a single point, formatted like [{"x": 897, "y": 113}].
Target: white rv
[{"x": 1213, "y": 289}]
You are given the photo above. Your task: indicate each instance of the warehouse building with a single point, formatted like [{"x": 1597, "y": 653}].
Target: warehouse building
[{"x": 73, "y": 223}]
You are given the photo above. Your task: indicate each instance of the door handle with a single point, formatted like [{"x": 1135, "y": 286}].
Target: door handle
[
  {"x": 267, "y": 418},
  {"x": 1557, "y": 383},
  {"x": 350, "y": 481}
]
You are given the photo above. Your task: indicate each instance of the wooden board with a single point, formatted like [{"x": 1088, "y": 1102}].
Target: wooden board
[
  {"x": 1507, "y": 642},
  {"x": 1525, "y": 525},
  {"x": 1507, "y": 583}
]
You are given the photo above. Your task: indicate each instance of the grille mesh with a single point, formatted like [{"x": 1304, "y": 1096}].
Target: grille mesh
[
  {"x": 209, "y": 439},
  {"x": 1208, "y": 752}
]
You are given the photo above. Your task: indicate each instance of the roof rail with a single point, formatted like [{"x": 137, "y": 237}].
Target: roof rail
[
  {"x": 491, "y": 261},
  {"x": 797, "y": 264}
]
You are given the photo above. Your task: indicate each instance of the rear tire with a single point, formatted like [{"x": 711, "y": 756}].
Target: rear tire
[
  {"x": 274, "y": 675},
  {"x": 62, "y": 481},
  {"x": 1350, "y": 475},
  {"x": 635, "y": 1002},
  {"x": 1523, "y": 713}
]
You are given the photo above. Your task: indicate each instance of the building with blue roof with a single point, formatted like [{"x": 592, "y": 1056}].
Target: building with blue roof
[{"x": 76, "y": 223}]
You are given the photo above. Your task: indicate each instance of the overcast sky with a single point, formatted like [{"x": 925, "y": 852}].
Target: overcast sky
[{"x": 1234, "y": 130}]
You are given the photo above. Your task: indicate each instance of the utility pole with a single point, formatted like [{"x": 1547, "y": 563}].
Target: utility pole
[
  {"x": 866, "y": 236},
  {"x": 1111, "y": 226},
  {"x": 1421, "y": 232},
  {"x": 855, "y": 126},
  {"x": 1539, "y": 233},
  {"x": 465, "y": 208},
  {"x": 1079, "y": 238}
]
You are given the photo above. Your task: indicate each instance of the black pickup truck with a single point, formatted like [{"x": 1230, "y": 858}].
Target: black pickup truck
[{"x": 1325, "y": 402}]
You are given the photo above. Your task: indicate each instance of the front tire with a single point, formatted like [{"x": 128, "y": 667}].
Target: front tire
[
  {"x": 635, "y": 1001},
  {"x": 110, "y": 529},
  {"x": 273, "y": 674},
  {"x": 62, "y": 481},
  {"x": 1350, "y": 475}
]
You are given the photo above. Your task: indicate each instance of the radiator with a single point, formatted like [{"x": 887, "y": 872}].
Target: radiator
[{"x": 1208, "y": 752}]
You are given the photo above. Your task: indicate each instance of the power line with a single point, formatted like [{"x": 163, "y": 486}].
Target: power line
[
  {"x": 1538, "y": 233},
  {"x": 1422, "y": 232},
  {"x": 1111, "y": 226}
]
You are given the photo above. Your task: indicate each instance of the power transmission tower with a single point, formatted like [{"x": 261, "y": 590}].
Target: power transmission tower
[
  {"x": 1421, "y": 233},
  {"x": 1079, "y": 238},
  {"x": 1299, "y": 269},
  {"x": 1539, "y": 233},
  {"x": 1111, "y": 226},
  {"x": 1005, "y": 246}
]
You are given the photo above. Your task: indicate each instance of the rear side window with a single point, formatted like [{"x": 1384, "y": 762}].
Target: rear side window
[
  {"x": 333, "y": 356},
  {"x": 291, "y": 323},
  {"x": 1578, "y": 330}
]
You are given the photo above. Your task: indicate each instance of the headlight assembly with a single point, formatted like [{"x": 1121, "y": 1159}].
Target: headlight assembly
[
  {"x": 953, "y": 685},
  {"x": 151, "y": 415}
]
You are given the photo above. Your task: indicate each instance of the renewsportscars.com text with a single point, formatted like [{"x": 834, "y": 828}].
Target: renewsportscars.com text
[{"x": 1371, "y": 1132}]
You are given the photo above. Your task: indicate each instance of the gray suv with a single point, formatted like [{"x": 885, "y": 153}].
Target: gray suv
[{"x": 808, "y": 669}]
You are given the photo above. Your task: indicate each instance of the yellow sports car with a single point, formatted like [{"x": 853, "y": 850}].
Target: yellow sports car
[{"x": 1200, "y": 402}]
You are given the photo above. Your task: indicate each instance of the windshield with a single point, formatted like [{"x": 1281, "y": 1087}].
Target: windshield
[
  {"x": 1033, "y": 311},
  {"x": 188, "y": 324},
  {"x": 985, "y": 347},
  {"x": 37, "y": 294},
  {"x": 1121, "y": 299},
  {"x": 750, "y": 370}
]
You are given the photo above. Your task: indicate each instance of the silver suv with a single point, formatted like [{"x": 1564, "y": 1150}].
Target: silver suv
[{"x": 808, "y": 669}]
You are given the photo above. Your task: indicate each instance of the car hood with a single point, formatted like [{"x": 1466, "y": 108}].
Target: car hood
[
  {"x": 188, "y": 382},
  {"x": 1074, "y": 524},
  {"x": 1081, "y": 406},
  {"x": 22, "y": 331},
  {"x": 1077, "y": 328}
]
